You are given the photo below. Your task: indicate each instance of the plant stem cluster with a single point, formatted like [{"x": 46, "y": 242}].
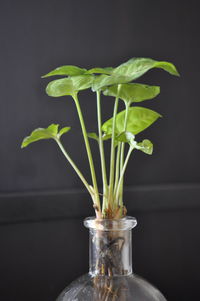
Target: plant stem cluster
[{"x": 120, "y": 129}]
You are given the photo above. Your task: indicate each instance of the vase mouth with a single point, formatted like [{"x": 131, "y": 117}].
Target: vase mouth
[{"x": 125, "y": 223}]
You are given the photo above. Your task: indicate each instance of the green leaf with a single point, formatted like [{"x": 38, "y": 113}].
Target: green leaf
[
  {"x": 106, "y": 137},
  {"x": 130, "y": 71},
  {"x": 69, "y": 86},
  {"x": 104, "y": 80},
  {"x": 138, "y": 120},
  {"x": 82, "y": 82},
  {"x": 93, "y": 136},
  {"x": 96, "y": 137},
  {"x": 51, "y": 129},
  {"x": 125, "y": 137},
  {"x": 106, "y": 70},
  {"x": 63, "y": 131},
  {"x": 51, "y": 132},
  {"x": 132, "y": 92},
  {"x": 66, "y": 70},
  {"x": 136, "y": 67},
  {"x": 146, "y": 146},
  {"x": 60, "y": 87}
]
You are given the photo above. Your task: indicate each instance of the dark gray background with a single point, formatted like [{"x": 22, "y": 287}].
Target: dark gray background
[
  {"x": 37, "y": 36},
  {"x": 41, "y": 200}
]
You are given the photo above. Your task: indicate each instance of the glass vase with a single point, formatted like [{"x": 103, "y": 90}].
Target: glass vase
[{"x": 110, "y": 276}]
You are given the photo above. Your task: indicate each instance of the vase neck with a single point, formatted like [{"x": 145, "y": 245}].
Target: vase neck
[{"x": 110, "y": 250}]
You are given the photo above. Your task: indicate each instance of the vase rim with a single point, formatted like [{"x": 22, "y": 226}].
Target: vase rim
[{"x": 125, "y": 223}]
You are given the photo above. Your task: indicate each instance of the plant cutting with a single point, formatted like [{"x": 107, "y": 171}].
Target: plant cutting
[{"x": 110, "y": 229}]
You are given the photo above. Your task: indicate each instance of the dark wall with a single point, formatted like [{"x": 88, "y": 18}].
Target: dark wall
[
  {"x": 163, "y": 191},
  {"x": 37, "y": 36}
]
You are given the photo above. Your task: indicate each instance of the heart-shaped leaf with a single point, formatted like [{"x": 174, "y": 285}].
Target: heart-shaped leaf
[
  {"x": 69, "y": 86},
  {"x": 132, "y": 92},
  {"x": 138, "y": 120},
  {"x": 66, "y": 70},
  {"x": 51, "y": 132},
  {"x": 136, "y": 67},
  {"x": 145, "y": 146},
  {"x": 130, "y": 71}
]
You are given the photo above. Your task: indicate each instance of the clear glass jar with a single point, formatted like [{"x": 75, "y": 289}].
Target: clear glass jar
[{"x": 110, "y": 276}]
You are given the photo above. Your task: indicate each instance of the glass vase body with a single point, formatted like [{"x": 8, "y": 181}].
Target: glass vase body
[{"x": 110, "y": 276}]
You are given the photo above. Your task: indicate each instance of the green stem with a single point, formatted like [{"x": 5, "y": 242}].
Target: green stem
[
  {"x": 77, "y": 170},
  {"x": 112, "y": 152},
  {"x": 127, "y": 104},
  {"x": 91, "y": 163},
  {"x": 117, "y": 169},
  {"x": 102, "y": 155},
  {"x": 122, "y": 175}
]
